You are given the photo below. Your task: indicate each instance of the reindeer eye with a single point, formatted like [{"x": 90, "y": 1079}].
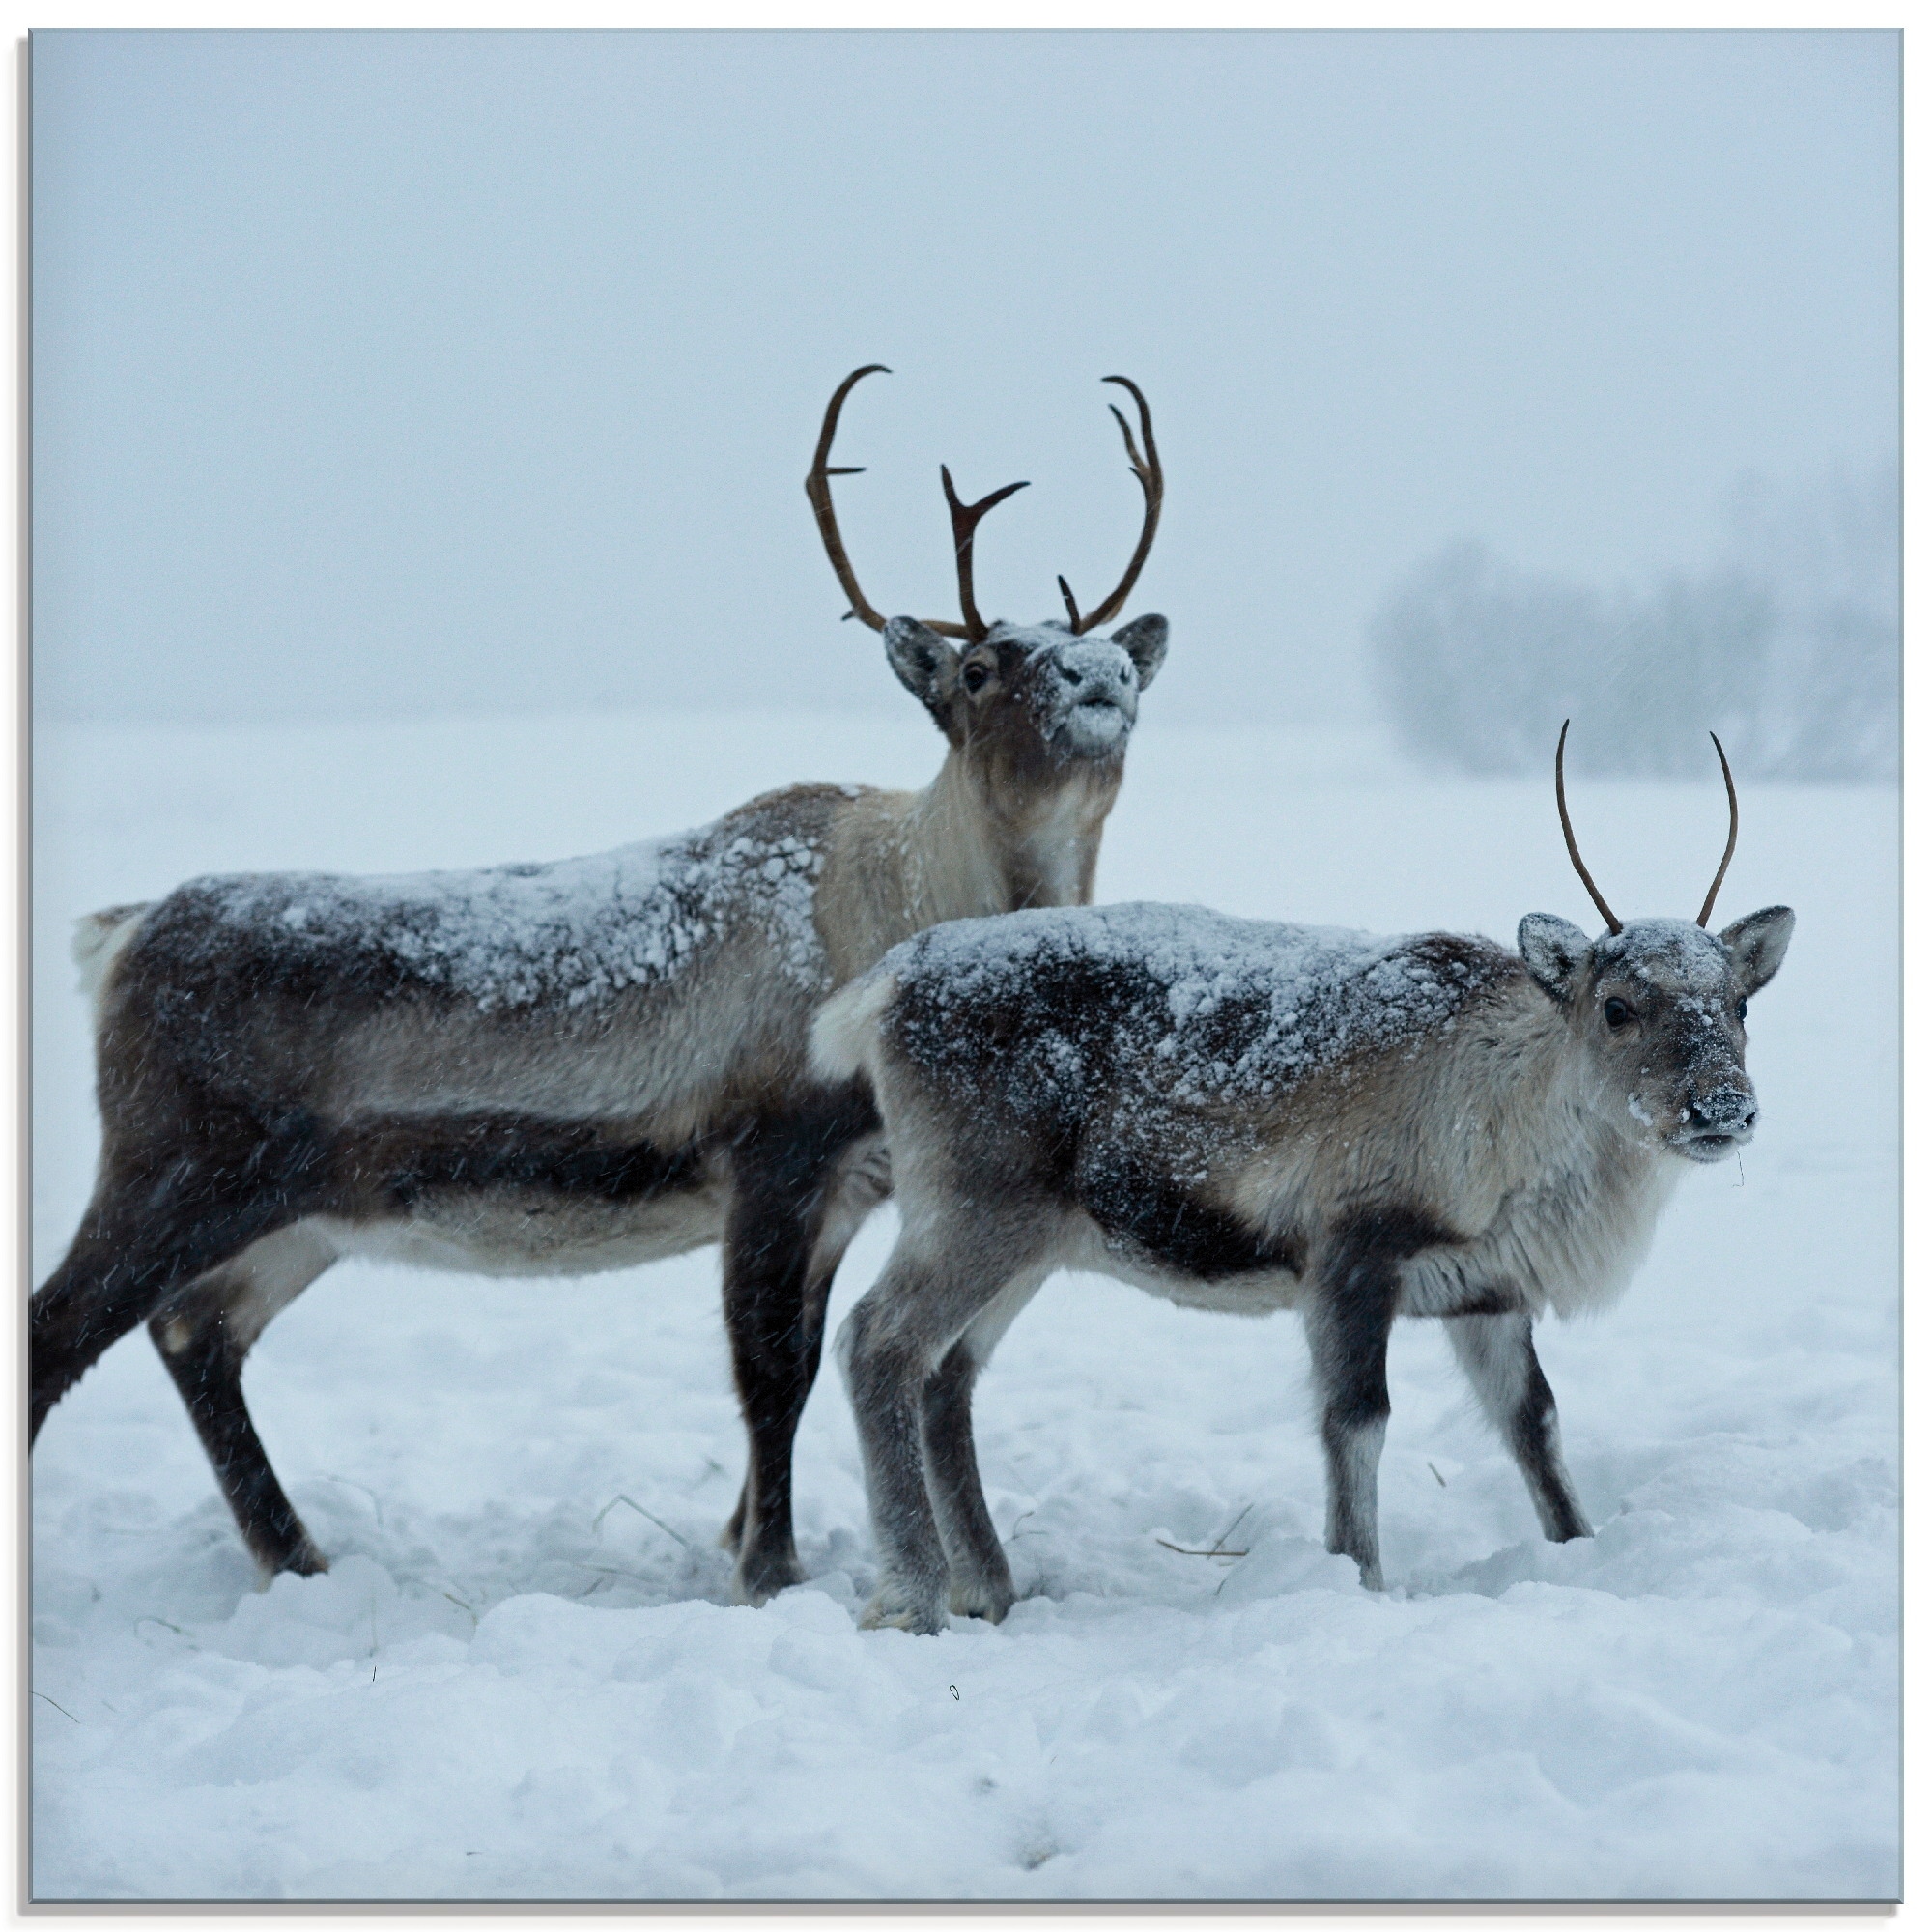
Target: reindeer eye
[
  {"x": 974, "y": 676},
  {"x": 1743, "y": 1009},
  {"x": 1617, "y": 1013}
]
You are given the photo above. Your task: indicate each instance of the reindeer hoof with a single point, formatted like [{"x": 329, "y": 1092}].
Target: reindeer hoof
[
  {"x": 302, "y": 1559},
  {"x": 895, "y": 1607},
  {"x": 758, "y": 1580},
  {"x": 982, "y": 1598}
]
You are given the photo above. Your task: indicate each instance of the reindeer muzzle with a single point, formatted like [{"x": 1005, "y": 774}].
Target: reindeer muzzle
[
  {"x": 1717, "y": 1122},
  {"x": 1098, "y": 695}
]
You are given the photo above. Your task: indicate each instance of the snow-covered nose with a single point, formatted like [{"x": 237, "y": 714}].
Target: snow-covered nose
[
  {"x": 1097, "y": 673},
  {"x": 1723, "y": 1110}
]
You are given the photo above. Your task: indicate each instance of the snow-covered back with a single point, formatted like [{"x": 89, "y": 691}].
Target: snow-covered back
[
  {"x": 515, "y": 1684},
  {"x": 1216, "y": 1007},
  {"x": 563, "y": 932}
]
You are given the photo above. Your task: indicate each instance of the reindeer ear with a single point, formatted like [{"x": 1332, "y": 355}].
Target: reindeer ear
[
  {"x": 927, "y": 666},
  {"x": 1555, "y": 951},
  {"x": 1756, "y": 944},
  {"x": 1144, "y": 640}
]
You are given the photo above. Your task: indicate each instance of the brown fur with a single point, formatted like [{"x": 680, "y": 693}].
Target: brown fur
[
  {"x": 1251, "y": 1117},
  {"x": 292, "y": 1068}
]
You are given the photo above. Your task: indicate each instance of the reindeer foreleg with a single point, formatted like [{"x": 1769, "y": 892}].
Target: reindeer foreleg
[
  {"x": 1357, "y": 1289},
  {"x": 1498, "y": 1355}
]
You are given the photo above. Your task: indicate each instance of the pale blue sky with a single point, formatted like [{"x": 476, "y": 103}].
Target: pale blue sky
[{"x": 431, "y": 371}]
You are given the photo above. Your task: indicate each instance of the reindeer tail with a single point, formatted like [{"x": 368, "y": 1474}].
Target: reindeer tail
[
  {"x": 99, "y": 938},
  {"x": 845, "y": 1031}
]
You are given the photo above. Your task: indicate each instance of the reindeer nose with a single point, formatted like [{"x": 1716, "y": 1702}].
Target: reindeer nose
[{"x": 1728, "y": 1110}]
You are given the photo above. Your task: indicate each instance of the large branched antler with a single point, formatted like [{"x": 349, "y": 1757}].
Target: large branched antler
[
  {"x": 966, "y": 518},
  {"x": 818, "y": 487},
  {"x": 965, "y": 521},
  {"x": 1147, "y": 471}
]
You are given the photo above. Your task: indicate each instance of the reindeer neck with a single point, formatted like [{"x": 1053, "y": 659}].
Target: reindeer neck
[
  {"x": 1534, "y": 1097},
  {"x": 1578, "y": 1192},
  {"x": 1039, "y": 838},
  {"x": 903, "y": 861},
  {"x": 1560, "y": 1137}
]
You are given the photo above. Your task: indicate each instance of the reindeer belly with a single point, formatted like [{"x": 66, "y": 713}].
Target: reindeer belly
[
  {"x": 528, "y": 1232},
  {"x": 513, "y": 1194},
  {"x": 1149, "y": 1232}
]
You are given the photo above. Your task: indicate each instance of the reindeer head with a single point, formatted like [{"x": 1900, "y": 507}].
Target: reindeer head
[
  {"x": 1025, "y": 700},
  {"x": 1656, "y": 1006}
]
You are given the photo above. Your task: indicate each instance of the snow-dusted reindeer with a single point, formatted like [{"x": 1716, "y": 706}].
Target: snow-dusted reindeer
[
  {"x": 1250, "y": 1117},
  {"x": 554, "y": 1068}
]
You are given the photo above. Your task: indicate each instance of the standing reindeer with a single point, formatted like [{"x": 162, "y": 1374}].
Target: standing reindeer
[
  {"x": 1249, "y": 1117},
  {"x": 553, "y": 1069}
]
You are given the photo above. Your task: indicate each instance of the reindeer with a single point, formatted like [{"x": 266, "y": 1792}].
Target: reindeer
[
  {"x": 1249, "y": 1117},
  {"x": 541, "y": 1070}
]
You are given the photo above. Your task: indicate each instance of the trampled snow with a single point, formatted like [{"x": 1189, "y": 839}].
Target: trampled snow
[{"x": 523, "y": 1677}]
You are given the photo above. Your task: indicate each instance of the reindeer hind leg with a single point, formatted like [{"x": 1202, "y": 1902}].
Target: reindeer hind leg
[
  {"x": 982, "y": 1580},
  {"x": 144, "y": 1235},
  {"x": 909, "y": 1350},
  {"x": 203, "y": 1335}
]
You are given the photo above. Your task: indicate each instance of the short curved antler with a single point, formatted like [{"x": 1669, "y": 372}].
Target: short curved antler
[
  {"x": 1147, "y": 470},
  {"x": 1610, "y": 919},
  {"x": 1731, "y": 843}
]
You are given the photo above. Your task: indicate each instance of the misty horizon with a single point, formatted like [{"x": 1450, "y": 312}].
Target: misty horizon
[{"x": 415, "y": 374}]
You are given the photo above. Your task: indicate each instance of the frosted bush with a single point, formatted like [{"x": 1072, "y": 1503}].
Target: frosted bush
[{"x": 1788, "y": 646}]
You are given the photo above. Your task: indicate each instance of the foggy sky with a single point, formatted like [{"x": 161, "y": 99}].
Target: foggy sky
[{"x": 411, "y": 372}]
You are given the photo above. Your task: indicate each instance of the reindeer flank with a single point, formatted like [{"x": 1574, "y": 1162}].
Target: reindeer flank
[{"x": 567, "y": 1066}]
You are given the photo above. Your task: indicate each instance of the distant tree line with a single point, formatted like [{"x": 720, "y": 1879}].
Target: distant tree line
[{"x": 1788, "y": 646}]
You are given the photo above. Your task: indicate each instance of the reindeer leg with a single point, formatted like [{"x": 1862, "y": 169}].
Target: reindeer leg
[
  {"x": 776, "y": 1313},
  {"x": 886, "y": 1375},
  {"x": 774, "y": 1369},
  {"x": 1348, "y": 1319},
  {"x": 204, "y": 1336},
  {"x": 794, "y": 1209},
  {"x": 966, "y": 1274},
  {"x": 981, "y": 1581},
  {"x": 1498, "y": 1355},
  {"x": 141, "y": 1240}
]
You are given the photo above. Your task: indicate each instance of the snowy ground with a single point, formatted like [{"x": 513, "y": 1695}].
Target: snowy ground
[{"x": 523, "y": 1680}]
